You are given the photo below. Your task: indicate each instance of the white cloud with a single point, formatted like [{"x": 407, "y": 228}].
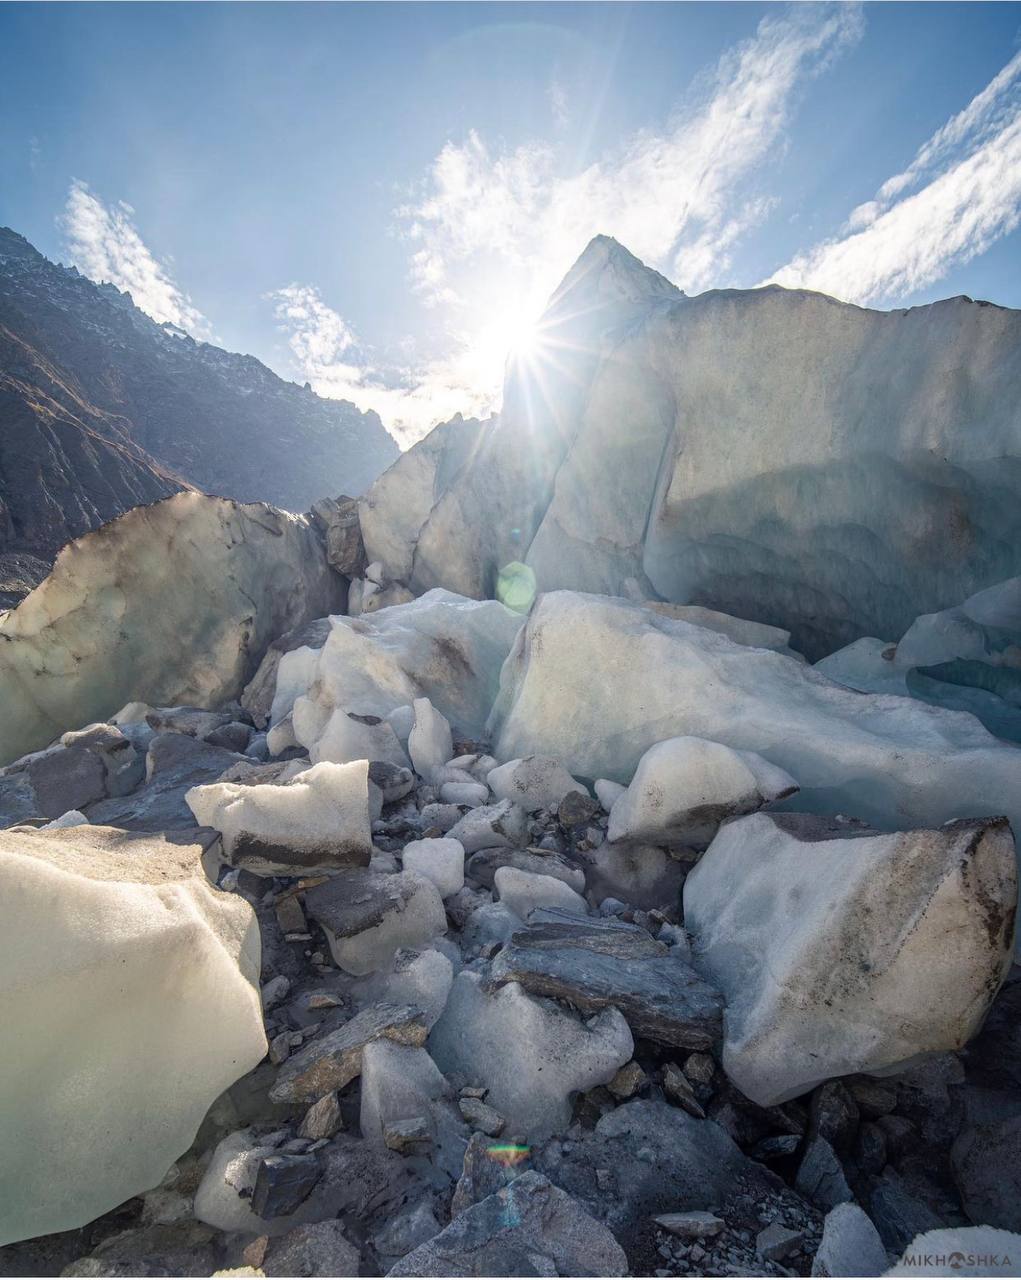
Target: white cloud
[
  {"x": 957, "y": 197},
  {"x": 105, "y": 246},
  {"x": 492, "y": 231},
  {"x": 409, "y": 400}
]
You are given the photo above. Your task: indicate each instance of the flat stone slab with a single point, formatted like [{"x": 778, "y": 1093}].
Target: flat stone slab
[{"x": 596, "y": 964}]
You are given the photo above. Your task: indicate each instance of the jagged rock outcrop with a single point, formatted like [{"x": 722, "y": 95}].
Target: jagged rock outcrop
[
  {"x": 101, "y": 408},
  {"x": 171, "y": 603},
  {"x": 130, "y": 1001},
  {"x": 775, "y": 454}
]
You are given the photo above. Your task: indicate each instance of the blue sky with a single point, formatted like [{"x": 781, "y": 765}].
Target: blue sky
[{"x": 379, "y": 197}]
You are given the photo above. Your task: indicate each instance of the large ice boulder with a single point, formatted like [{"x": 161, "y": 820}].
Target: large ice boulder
[
  {"x": 129, "y": 1000},
  {"x": 441, "y": 647},
  {"x": 597, "y": 681},
  {"x": 840, "y": 949},
  {"x": 685, "y": 787},
  {"x": 172, "y": 603},
  {"x": 771, "y": 453},
  {"x": 317, "y": 820}
]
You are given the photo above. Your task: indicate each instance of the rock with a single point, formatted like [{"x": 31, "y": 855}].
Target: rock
[
  {"x": 65, "y": 778},
  {"x": 344, "y": 547},
  {"x": 316, "y": 821},
  {"x": 368, "y": 916},
  {"x": 776, "y": 1242},
  {"x": 967, "y": 1251},
  {"x": 438, "y": 860},
  {"x": 322, "y": 1119},
  {"x": 628, "y": 1081},
  {"x": 537, "y": 782},
  {"x": 429, "y": 744},
  {"x": 576, "y": 809},
  {"x": 282, "y": 1182},
  {"x": 482, "y": 1118},
  {"x": 347, "y": 736},
  {"x": 662, "y": 1160},
  {"x": 412, "y": 1136},
  {"x": 685, "y": 787},
  {"x": 191, "y": 625},
  {"x": 174, "y": 764},
  {"x": 491, "y": 826},
  {"x": 872, "y": 1098},
  {"x": 483, "y": 866},
  {"x": 232, "y": 737},
  {"x": 984, "y": 1159},
  {"x": 893, "y": 762},
  {"x": 95, "y": 921},
  {"x": 694, "y": 1225},
  {"x": 334, "y": 1060},
  {"x": 523, "y": 891},
  {"x": 262, "y": 690},
  {"x": 677, "y": 1088},
  {"x": 441, "y": 647},
  {"x": 529, "y": 1053},
  {"x": 850, "y": 1245},
  {"x": 529, "y": 1227},
  {"x": 835, "y": 1115},
  {"x": 275, "y": 991},
  {"x": 290, "y": 916},
  {"x": 315, "y": 1249},
  {"x": 406, "y": 1232},
  {"x": 601, "y": 964},
  {"x": 821, "y": 1176},
  {"x": 488, "y": 1166},
  {"x": 846, "y": 969},
  {"x": 394, "y": 782},
  {"x": 637, "y": 874},
  {"x": 401, "y": 1087}
]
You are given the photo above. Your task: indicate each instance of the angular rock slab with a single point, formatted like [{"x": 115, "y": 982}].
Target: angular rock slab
[
  {"x": 318, "y": 820},
  {"x": 649, "y": 1158},
  {"x": 602, "y": 964},
  {"x": 527, "y": 1228},
  {"x": 530, "y": 1054},
  {"x": 171, "y": 603},
  {"x": 685, "y": 787},
  {"x": 129, "y": 997},
  {"x": 842, "y": 950},
  {"x": 596, "y": 682},
  {"x": 442, "y": 647}
]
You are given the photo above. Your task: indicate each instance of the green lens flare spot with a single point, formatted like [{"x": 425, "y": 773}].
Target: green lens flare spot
[{"x": 516, "y": 586}]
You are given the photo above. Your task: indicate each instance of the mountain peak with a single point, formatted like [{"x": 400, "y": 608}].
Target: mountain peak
[{"x": 607, "y": 274}]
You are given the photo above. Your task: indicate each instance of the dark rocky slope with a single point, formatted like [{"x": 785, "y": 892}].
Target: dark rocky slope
[{"x": 101, "y": 409}]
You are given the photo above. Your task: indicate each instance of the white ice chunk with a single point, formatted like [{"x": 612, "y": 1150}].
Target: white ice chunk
[
  {"x": 318, "y": 820},
  {"x": 523, "y": 891},
  {"x": 440, "y": 860},
  {"x": 471, "y": 794},
  {"x": 684, "y": 788},
  {"x": 129, "y": 997},
  {"x": 429, "y": 744},
  {"x": 400, "y": 1082},
  {"x": 529, "y": 1053},
  {"x": 536, "y": 782},
  {"x": 607, "y": 792},
  {"x": 347, "y": 736},
  {"x": 492, "y": 826}
]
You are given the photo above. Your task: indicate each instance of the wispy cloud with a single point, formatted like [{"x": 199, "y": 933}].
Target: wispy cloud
[
  {"x": 958, "y": 196},
  {"x": 491, "y": 223},
  {"x": 104, "y": 245},
  {"x": 410, "y": 400}
]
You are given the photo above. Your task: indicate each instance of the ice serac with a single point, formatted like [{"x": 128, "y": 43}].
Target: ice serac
[
  {"x": 441, "y": 646},
  {"x": 174, "y": 603},
  {"x": 770, "y": 453},
  {"x": 840, "y": 949},
  {"x": 129, "y": 998},
  {"x": 595, "y": 682}
]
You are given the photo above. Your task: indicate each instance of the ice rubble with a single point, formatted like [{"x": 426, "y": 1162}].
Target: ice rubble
[
  {"x": 120, "y": 936},
  {"x": 840, "y": 949}
]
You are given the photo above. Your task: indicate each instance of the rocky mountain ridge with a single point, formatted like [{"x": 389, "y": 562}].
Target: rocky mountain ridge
[{"x": 102, "y": 408}]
